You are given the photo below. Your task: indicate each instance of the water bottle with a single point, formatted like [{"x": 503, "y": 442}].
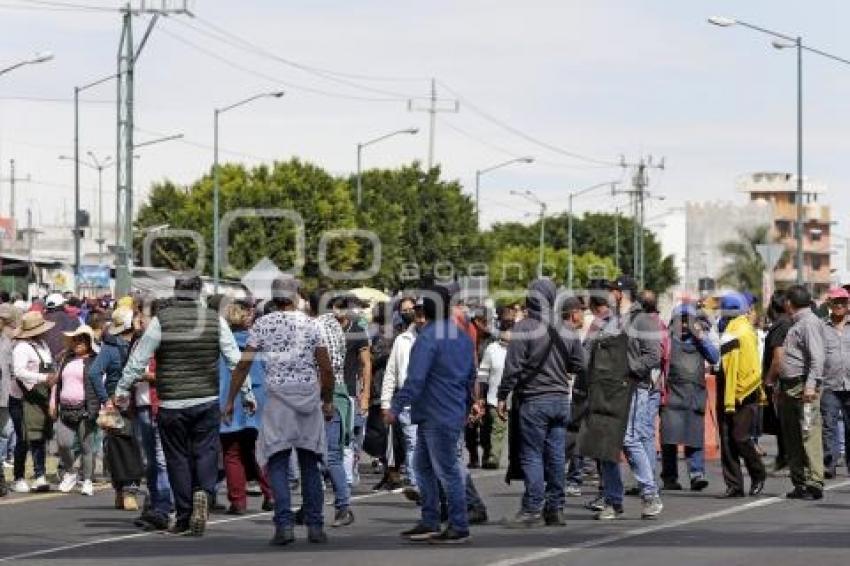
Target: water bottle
[{"x": 808, "y": 415}]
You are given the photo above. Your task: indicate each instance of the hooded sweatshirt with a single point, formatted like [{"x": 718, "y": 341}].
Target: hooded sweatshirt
[{"x": 535, "y": 366}]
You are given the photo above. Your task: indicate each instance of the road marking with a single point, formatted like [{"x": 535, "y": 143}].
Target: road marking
[
  {"x": 108, "y": 540},
  {"x": 610, "y": 539}
]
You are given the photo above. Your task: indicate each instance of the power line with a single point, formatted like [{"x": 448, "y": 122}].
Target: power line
[
  {"x": 190, "y": 142},
  {"x": 239, "y": 43},
  {"x": 270, "y": 78},
  {"x": 489, "y": 117},
  {"x": 67, "y": 6},
  {"x": 511, "y": 153},
  {"x": 305, "y": 67},
  {"x": 54, "y": 100}
]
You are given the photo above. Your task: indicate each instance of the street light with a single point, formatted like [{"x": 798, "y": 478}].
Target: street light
[
  {"x": 41, "y": 57},
  {"x": 480, "y": 172},
  {"x": 784, "y": 41},
  {"x": 572, "y": 195},
  {"x": 528, "y": 195},
  {"x": 360, "y": 146},
  {"x": 216, "y": 219},
  {"x": 77, "y": 91}
]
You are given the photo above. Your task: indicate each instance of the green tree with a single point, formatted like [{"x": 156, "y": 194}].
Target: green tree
[
  {"x": 745, "y": 268},
  {"x": 322, "y": 202},
  {"x": 592, "y": 233},
  {"x": 512, "y": 268}
]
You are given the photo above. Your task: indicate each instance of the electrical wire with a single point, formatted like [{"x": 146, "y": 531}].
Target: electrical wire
[
  {"x": 517, "y": 132},
  {"x": 270, "y": 78},
  {"x": 66, "y": 6},
  {"x": 55, "y": 100},
  {"x": 511, "y": 153},
  {"x": 309, "y": 68},
  {"x": 239, "y": 43},
  {"x": 199, "y": 145}
]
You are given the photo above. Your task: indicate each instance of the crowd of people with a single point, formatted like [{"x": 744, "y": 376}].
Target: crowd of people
[{"x": 180, "y": 395}]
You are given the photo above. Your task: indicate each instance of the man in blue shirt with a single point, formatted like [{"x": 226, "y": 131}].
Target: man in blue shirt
[{"x": 438, "y": 391}]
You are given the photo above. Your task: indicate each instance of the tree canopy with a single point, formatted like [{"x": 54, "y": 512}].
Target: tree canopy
[{"x": 417, "y": 222}]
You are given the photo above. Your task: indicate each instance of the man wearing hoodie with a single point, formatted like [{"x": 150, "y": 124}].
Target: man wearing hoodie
[
  {"x": 62, "y": 322},
  {"x": 643, "y": 358},
  {"x": 541, "y": 355}
]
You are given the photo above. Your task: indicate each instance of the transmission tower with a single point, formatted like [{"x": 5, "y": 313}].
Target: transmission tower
[
  {"x": 435, "y": 105},
  {"x": 128, "y": 54}
]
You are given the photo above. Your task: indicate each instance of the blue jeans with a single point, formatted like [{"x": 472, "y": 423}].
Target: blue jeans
[
  {"x": 438, "y": 466},
  {"x": 473, "y": 500},
  {"x": 648, "y": 437},
  {"x": 543, "y": 428},
  {"x": 156, "y": 472},
  {"x": 7, "y": 431},
  {"x": 311, "y": 488},
  {"x": 409, "y": 430},
  {"x": 835, "y": 408},
  {"x": 634, "y": 446},
  {"x": 670, "y": 462},
  {"x": 351, "y": 454},
  {"x": 335, "y": 466}
]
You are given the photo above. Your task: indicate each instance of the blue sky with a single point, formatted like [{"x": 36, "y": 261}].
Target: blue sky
[{"x": 601, "y": 78}]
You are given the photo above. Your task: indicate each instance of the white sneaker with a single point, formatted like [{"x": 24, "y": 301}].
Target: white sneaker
[
  {"x": 40, "y": 484},
  {"x": 69, "y": 482},
  {"x": 87, "y": 489},
  {"x": 21, "y": 487}
]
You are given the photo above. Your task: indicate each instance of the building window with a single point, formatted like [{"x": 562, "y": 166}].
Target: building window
[
  {"x": 816, "y": 233},
  {"x": 816, "y": 263},
  {"x": 792, "y": 197}
]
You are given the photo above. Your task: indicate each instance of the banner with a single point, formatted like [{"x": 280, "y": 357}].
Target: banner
[{"x": 94, "y": 276}]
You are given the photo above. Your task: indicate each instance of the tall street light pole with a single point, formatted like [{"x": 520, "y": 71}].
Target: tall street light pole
[
  {"x": 613, "y": 185},
  {"x": 360, "y": 146},
  {"x": 528, "y": 195},
  {"x": 98, "y": 166},
  {"x": 216, "y": 217},
  {"x": 77, "y": 235},
  {"x": 787, "y": 41},
  {"x": 486, "y": 170},
  {"x": 34, "y": 60}
]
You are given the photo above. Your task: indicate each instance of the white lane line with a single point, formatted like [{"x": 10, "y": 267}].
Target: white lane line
[
  {"x": 610, "y": 539},
  {"x": 108, "y": 540}
]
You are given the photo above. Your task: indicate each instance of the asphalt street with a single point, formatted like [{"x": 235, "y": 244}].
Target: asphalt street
[{"x": 695, "y": 529}]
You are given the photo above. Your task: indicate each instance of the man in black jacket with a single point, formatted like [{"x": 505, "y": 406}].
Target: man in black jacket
[{"x": 540, "y": 356}]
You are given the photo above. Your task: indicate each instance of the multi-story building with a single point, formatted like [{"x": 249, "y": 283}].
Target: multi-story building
[{"x": 780, "y": 190}]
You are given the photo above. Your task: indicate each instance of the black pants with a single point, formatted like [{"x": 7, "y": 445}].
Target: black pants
[
  {"x": 191, "y": 445},
  {"x": 736, "y": 443}
]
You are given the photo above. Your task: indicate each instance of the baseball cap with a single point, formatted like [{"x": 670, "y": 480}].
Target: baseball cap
[
  {"x": 122, "y": 320},
  {"x": 572, "y": 304},
  {"x": 54, "y": 301},
  {"x": 732, "y": 303},
  {"x": 624, "y": 283},
  {"x": 838, "y": 293}
]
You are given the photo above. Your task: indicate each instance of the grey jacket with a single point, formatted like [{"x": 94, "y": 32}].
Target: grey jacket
[
  {"x": 836, "y": 369},
  {"x": 530, "y": 349},
  {"x": 292, "y": 418},
  {"x": 6, "y": 344},
  {"x": 644, "y": 349},
  {"x": 804, "y": 349}
]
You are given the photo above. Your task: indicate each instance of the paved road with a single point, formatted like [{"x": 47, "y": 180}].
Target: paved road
[{"x": 696, "y": 529}]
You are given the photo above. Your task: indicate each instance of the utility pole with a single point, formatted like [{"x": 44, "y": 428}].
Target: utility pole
[
  {"x": 12, "y": 180},
  {"x": 128, "y": 55},
  {"x": 637, "y": 196},
  {"x": 433, "y": 108}
]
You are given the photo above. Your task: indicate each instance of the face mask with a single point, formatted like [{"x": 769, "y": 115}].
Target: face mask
[
  {"x": 407, "y": 318},
  {"x": 506, "y": 324}
]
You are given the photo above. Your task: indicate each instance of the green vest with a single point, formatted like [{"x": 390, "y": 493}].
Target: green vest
[{"x": 188, "y": 353}]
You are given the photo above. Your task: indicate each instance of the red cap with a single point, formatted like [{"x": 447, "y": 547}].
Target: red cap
[{"x": 838, "y": 293}]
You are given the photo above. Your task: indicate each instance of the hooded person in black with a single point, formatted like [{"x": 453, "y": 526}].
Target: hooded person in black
[{"x": 541, "y": 355}]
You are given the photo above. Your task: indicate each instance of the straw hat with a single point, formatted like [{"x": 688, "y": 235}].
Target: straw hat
[
  {"x": 33, "y": 324},
  {"x": 84, "y": 330}
]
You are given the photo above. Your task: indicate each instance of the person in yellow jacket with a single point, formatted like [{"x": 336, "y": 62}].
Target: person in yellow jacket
[{"x": 739, "y": 392}]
